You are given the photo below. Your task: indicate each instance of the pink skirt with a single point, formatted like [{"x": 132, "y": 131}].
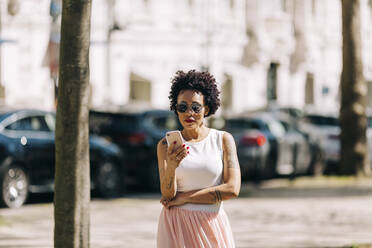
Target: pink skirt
[{"x": 182, "y": 228}]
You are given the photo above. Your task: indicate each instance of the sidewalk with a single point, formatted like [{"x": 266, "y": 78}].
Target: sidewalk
[{"x": 278, "y": 213}]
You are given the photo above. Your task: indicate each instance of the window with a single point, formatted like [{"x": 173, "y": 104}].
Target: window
[
  {"x": 276, "y": 128},
  {"x": 309, "y": 89},
  {"x": 313, "y": 7},
  {"x": 140, "y": 89},
  {"x": 34, "y": 123},
  {"x": 109, "y": 123},
  {"x": 242, "y": 124},
  {"x": 50, "y": 120},
  {"x": 24, "y": 124},
  {"x": 272, "y": 82},
  {"x": 164, "y": 122},
  {"x": 283, "y": 5},
  {"x": 97, "y": 121},
  {"x": 321, "y": 120},
  {"x": 286, "y": 125}
]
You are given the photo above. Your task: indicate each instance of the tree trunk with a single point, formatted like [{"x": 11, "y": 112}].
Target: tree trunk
[
  {"x": 72, "y": 178},
  {"x": 353, "y": 120}
]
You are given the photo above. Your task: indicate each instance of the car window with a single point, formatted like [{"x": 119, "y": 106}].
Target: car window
[
  {"x": 98, "y": 120},
  {"x": 321, "y": 120},
  {"x": 242, "y": 124},
  {"x": 33, "y": 123},
  {"x": 168, "y": 122},
  {"x": 276, "y": 128},
  {"x": 287, "y": 126},
  {"x": 23, "y": 124},
  {"x": 109, "y": 123},
  {"x": 50, "y": 120}
]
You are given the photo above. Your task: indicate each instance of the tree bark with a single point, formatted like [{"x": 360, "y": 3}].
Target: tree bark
[
  {"x": 72, "y": 177},
  {"x": 353, "y": 120}
]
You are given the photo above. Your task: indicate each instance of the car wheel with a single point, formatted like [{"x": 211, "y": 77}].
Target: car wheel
[
  {"x": 317, "y": 166},
  {"x": 294, "y": 173},
  {"x": 14, "y": 186},
  {"x": 257, "y": 173},
  {"x": 269, "y": 170},
  {"x": 108, "y": 180}
]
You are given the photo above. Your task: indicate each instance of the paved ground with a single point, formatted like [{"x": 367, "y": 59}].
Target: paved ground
[{"x": 273, "y": 215}]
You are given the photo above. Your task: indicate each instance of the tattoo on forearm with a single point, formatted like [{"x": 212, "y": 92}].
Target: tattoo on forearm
[
  {"x": 214, "y": 196},
  {"x": 232, "y": 160},
  {"x": 170, "y": 183},
  {"x": 218, "y": 196}
]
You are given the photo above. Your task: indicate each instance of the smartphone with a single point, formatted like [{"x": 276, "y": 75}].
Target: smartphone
[{"x": 173, "y": 136}]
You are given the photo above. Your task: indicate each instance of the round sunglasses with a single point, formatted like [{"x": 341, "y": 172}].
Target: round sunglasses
[{"x": 195, "y": 107}]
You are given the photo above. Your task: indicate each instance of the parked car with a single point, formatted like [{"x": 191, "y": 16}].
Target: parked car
[
  {"x": 325, "y": 129},
  {"x": 269, "y": 145},
  {"x": 137, "y": 132},
  {"x": 27, "y": 157}
]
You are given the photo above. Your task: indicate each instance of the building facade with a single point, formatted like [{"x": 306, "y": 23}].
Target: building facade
[
  {"x": 24, "y": 34},
  {"x": 283, "y": 52}
]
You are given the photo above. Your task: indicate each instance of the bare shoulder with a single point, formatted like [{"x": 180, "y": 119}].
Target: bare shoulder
[
  {"x": 230, "y": 151},
  {"x": 228, "y": 139}
]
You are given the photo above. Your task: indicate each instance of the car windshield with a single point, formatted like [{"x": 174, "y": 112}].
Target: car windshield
[
  {"x": 4, "y": 116},
  {"x": 322, "y": 120}
]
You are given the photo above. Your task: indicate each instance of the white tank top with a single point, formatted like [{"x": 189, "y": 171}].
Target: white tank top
[{"x": 202, "y": 168}]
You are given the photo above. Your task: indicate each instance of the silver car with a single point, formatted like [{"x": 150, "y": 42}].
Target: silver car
[
  {"x": 269, "y": 144},
  {"x": 325, "y": 130}
]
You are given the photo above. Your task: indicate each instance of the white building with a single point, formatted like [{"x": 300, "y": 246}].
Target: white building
[
  {"x": 288, "y": 52},
  {"x": 25, "y": 82}
]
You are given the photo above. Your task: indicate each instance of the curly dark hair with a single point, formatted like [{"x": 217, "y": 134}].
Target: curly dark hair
[{"x": 202, "y": 82}]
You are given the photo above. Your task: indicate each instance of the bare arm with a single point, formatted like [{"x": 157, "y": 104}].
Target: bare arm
[
  {"x": 168, "y": 161},
  {"x": 229, "y": 189}
]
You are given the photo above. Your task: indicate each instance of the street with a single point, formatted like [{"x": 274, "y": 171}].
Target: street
[{"x": 266, "y": 216}]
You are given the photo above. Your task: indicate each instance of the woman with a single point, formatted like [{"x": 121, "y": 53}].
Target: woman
[{"x": 197, "y": 176}]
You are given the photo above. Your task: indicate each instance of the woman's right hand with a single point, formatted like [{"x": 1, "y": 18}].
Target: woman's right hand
[{"x": 176, "y": 155}]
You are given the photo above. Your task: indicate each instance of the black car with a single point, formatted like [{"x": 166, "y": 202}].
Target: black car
[
  {"x": 27, "y": 154},
  {"x": 137, "y": 132},
  {"x": 270, "y": 145}
]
